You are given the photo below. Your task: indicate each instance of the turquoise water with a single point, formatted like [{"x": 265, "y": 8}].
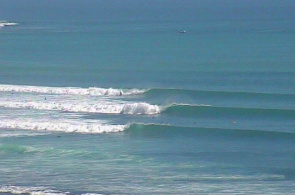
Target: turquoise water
[{"x": 109, "y": 98}]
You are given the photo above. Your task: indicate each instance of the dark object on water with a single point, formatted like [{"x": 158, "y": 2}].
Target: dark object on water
[{"x": 183, "y": 31}]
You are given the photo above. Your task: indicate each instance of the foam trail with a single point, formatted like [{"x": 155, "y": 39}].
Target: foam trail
[
  {"x": 129, "y": 108},
  {"x": 4, "y": 23},
  {"x": 70, "y": 90},
  {"x": 61, "y": 126},
  {"x": 35, "y": 191},
  {"x": 30, "y": 190}
]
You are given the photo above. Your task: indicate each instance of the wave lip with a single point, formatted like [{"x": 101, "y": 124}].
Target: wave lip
[
  {"x": 61, "y": 126},
  {"x": 94, "y": 91}
]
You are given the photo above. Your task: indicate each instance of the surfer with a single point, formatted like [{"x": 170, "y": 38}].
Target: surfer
[{"x": 183, "y": 31}]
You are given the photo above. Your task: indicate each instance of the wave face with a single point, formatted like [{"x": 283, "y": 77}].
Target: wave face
[
  {"x": 171, "y": 131},
  {"x": 70, "y": 90},
  {"x": 275, "y": 100},
  {"x": 215, "y": 111},
  {"x": 241, "y": 94}
]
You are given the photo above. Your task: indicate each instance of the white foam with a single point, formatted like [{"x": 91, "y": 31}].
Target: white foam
[
  {"x": 103, "y": 108},
  {"x": 3, "y": 23},
  {"x": 30, "y": 190},
  {"x": 140, "y": 108},
  {"x": 35, "y": 191},
  {"x": 60, "y": 126},
  {"x": 70, "y": 90},
  {"x": 92, "y": 194}
]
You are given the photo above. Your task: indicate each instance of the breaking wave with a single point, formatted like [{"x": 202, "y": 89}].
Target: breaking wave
[
  {"x": 70, "y": 90},
  {"x": 60, "y": 126},
  {"x": 96, "y": 91},
  {"x": 142, "y": 129},
  {"x": 129, "y": 108},
  {"x": 143, "y": 108}
]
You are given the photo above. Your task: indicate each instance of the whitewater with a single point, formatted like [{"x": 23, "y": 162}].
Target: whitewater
[
  {"x": 70, "y": 90},
  {"x": 4, "y": 23}
]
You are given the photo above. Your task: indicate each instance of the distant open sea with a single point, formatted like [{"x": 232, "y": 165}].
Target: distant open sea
[{"x": 147, "y": 97}]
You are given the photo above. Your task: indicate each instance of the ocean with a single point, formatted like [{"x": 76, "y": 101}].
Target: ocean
[{"x": 147, "y": 97}]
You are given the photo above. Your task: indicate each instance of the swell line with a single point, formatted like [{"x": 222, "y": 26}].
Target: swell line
[
  {"x": 155, "y": 91},
  {"x": 208, "y": 110},
  {"x": 143, "y": 108},
  {"x": 152, "y": 92},
  {"x": 169, "y": 130},
  {"x": 141, "y": 129}
]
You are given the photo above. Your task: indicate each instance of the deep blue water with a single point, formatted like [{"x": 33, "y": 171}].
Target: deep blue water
[{"x": 108, "y": 97}]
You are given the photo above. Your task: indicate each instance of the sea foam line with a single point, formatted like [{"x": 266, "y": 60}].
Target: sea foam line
[
  {"x": 61, "y": 126},
  {"x": 129, "y": 108},
  {"x": 30, "y": 190},
  {"x": 35, "y": 191},
  {"x": 4, "y": 23},
  {"x": 94, "y": 91}
]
